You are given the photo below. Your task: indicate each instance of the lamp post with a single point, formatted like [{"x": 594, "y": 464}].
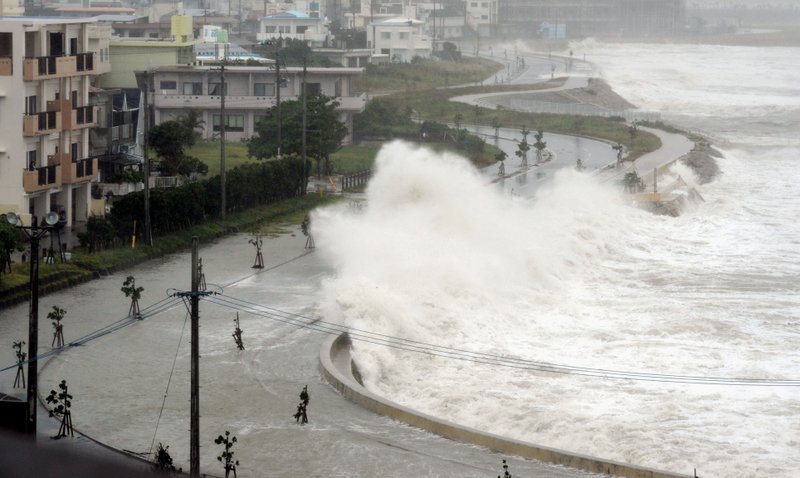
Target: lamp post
[{"x": 33, "y": 233}]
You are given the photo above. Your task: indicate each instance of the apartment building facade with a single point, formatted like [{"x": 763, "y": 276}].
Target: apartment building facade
[
  {"x": 400, "y": 38},
  {"x": 249, "y": 91},
  {"x": 45, "y": 73}
]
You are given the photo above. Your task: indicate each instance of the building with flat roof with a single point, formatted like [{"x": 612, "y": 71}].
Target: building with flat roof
[
  {"x": 250, "y": 90},
  {"x": 400, "y": 38},
  {"x": 46, "y": 67}
]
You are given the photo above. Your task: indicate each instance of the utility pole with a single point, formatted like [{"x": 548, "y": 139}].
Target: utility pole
[
  {"x": 194, "y": 421},
  {"x": 222, "y": 122},
  {"x": 278, "y": 89},
  {"x": 148, "y": 231},
  {"x": 303, "y": 92}
]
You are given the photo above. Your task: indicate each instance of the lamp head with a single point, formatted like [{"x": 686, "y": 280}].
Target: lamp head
[
  {"x": 12, "y": 218},
  {"x": 51, "y": 219}
]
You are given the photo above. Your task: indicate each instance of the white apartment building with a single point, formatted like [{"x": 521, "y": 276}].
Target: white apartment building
[
  {"x": 481, "y": 15},
  {"x": 294, "y": 25},
  {"x": 250, "y": 90},
  {"x": 45, "y": 71},
  {"x": 400, "y": 38}
]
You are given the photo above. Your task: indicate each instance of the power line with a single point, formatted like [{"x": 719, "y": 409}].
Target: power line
[
  {"x": 400, "y": 343},
  {"x": 146, "y": 313}
]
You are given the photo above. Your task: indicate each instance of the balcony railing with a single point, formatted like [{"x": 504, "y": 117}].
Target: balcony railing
[
  {"x": 74, "y": 172},
  {"x": 6, "y": 67},
  {"x": 81, "y": 117},
  {"x": 42, "y": 123},
  {"x": 44, "y": 67},
  {"x": 39, "y": 179}
]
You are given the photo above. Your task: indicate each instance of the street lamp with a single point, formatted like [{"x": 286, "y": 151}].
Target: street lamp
[{"x": 33, "y": 232}]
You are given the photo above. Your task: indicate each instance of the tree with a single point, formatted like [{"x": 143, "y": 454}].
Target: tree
[
  {"x": 20, "y": 378},
  {"x": 10, "y": 241},
  {"x": 170, "y": 140},
  {"x": 226, "y": 457},
  {"x": 523, "y": 147},
  {"x": 496, "y": 126},
  {"x": 539, "y": 145},
  {"x": 501, "y": 157},
  {"x": 135, "y": 293},
  {"x": 381, "y": 118},
  {"x": 324, "y": 130},
  {"x": 162, "y": 460},
  {"x": 58, "y": 333},
  {"x": 237, "y": 333},
  {"x": 62, "y": 402}
]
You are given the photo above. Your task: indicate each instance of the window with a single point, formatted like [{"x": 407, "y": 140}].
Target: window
[
  {"x": 168, "y": 85},
  {"x": 284, "y": 29},
  {"x": 313, "y": 89},
  {"x": 234, "y": 123},
  {"x": 6, "y": 45},
  {"x": 300, "y": 29},
  {"x": 264, "y": 89},
  {"x": 484, "y": 4},
  {"x": 484, "y": 17},
  {"x": 32, "y": 160},
  {"x": 474, "y": 4},
  {"x": 215, "y": 88},
  {"x": 192, "y": 88},
  {"x": 31, "y": 105},
  {"x": 386, "y": 35},
  {"x": 153, "y": 35},
  {"x": 404, "y": 35},
  {"x": 270, "y": 29}
]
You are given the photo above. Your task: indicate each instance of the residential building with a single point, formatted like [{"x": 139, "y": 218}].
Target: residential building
[
  {"x": 481, "y": 16},
  {"x": 46, "y": 68},
  {"x": 136, "y": 54},
  {"x": 400, "y": 38},
  {"x": 250, "y": 90},
  {"x": 295, "y": 25}
]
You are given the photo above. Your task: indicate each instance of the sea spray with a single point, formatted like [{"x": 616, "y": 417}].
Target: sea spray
[{"x": 575, "y": 277}]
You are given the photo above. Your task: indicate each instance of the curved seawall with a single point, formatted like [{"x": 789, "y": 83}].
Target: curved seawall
[{"x": 338, "y": 368}]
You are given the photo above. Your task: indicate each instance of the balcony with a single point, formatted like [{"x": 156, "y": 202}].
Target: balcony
[
  {"x": 39, "y": 124},
  {"x": 41, "y": 179},
  {"x": 209, "y": 101},
  {"x": 6, "y": 67},
  {"x": 81, "y": 171},
  {"x": 46, "y": 67},
  {"x": 79, "y": 118}
]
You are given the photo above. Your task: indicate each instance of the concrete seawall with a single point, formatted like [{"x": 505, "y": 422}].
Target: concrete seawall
[{"x": 337, "y": 367}]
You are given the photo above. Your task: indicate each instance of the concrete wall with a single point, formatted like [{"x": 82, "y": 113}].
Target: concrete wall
[{"x": 337, "y": 367}]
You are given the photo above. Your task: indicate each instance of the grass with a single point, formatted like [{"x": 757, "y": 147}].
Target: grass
[
  {"x": 425, "y": 74},
  {"x": 267, "y": 219},
  {"x": 208, "y": 152},
  {"x": 353, "y": 158},
  {"x": 435, "y": 105}
]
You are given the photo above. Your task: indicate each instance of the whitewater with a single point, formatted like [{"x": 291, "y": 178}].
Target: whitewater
[{"x": 577, "y": 277}]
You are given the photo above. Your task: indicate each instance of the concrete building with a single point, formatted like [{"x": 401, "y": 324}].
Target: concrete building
[
  {"x": 249, "y": 91},
  {"x": 400, "y": 38},
  {"x": 137, "y": 54},
  {"x": 481, "y": 16},
  {"x": 294, "y": 25},
  {"x": 46, "y": 68}
]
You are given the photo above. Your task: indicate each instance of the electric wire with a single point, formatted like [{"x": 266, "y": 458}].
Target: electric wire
[
  {"x": 400, "y": 343},
  {"x": 147, "y": 312},
  {"x": 169, "y": 381}
]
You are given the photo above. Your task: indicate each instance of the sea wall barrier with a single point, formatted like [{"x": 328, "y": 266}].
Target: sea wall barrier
[{"x": 338, "y": 368}]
